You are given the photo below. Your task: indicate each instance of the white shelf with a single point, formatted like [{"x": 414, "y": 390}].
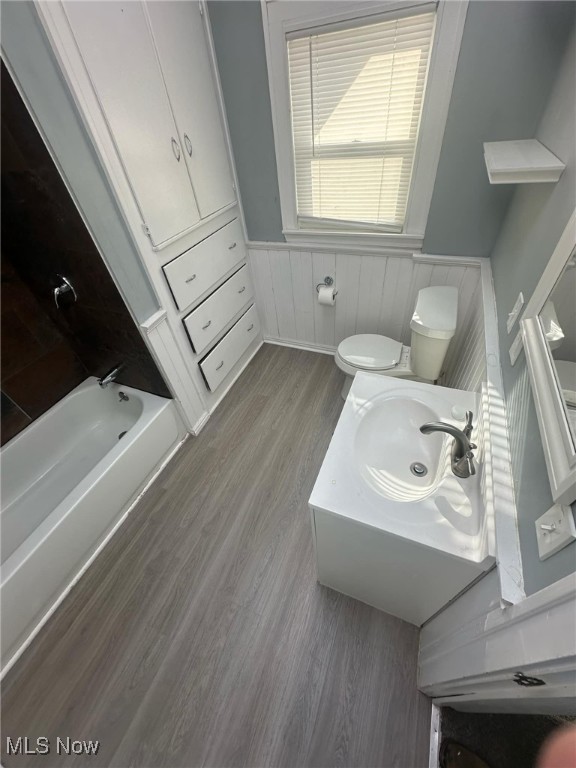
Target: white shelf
[{"x": 521, "y": 162}]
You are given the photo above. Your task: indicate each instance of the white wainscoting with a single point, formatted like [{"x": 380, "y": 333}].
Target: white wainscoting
[{"x": 376, "y": 294}]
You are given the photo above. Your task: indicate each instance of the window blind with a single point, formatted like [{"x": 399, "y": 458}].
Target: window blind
[{"x": 356, "y": 99}]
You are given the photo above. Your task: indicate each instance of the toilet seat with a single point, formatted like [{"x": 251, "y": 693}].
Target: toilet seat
[{"x": 370, "y": 352}]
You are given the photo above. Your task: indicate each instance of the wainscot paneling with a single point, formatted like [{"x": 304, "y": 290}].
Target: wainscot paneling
[{"x": 376, "y": 294}]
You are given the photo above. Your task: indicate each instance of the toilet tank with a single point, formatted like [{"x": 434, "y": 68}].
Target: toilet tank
[{"x": 433, "y": 324}]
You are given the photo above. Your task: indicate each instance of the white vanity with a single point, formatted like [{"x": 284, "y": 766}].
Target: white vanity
[{"x": 393, "y": 526}]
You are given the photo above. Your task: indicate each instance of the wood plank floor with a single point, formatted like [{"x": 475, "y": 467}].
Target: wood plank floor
[{"x": 200, "y": 636}]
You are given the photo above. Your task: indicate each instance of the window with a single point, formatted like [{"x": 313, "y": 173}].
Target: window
[
  {"x": 359, "y": 104},
  {"x": 356, "y": 99}
]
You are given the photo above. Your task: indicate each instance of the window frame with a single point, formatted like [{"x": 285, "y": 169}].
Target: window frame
[{"x": 281, "y": 18}]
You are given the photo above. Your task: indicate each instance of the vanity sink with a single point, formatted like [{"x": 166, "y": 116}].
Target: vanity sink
[
  {"x": 392, "y": 456},
  {"x": 393, "y": 525}
]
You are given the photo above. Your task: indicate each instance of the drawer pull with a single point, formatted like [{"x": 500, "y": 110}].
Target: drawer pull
[
  {"x": 175, "y": 149},
  {"x": 231, "y": 247},
  {"x": 220, "y": 366},
  {"x": 189, "y": 279},
  {"x": 188, "y": 144},
  {"x": 250, "y": 327},
  {"x": 208, "y": 324},
  {"x": 242, "y": 289}
]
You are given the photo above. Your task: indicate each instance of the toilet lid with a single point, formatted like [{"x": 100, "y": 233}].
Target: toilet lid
[
  {"x": 567, "y": 377},
  {"x": 370, "y": 352}
]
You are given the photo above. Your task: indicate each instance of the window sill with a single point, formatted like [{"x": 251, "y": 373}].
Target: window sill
[{"x": 366, "y": 242}]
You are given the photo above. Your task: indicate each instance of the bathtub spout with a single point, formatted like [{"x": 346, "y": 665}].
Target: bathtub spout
[{"x": 109, "y": 377}]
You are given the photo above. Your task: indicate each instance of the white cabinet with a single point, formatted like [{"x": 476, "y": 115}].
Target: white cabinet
[
  {"x": 118, "y": 51},
  {"x": 150, "y": 67},
  {"x": 206, "y": 321},
  {"x": 220, "y": 361},
  {"x": 178, "y": 31},
  {"x": 194, "y": 272}
]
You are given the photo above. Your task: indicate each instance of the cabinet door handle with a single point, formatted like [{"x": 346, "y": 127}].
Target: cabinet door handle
[
  {"x": 231, "y": 247},
  {"x": 188, "y": 144},
  {"x": 175, "y": 149},
  {"x": 242, "y": 289},
  {"x": 220, "y": 366},
  {"x": 208, "y": 324},
  {"x": 250, "y": 327},
  {"x": 189, "y": 279}
]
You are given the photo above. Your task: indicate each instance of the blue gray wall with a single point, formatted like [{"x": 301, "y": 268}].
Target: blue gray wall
[
  {"x": 510, "y": 53},
  {"x": 536, "y": 218},
  {"x": 32, "y": 64},
  {"x": 509, "y": 56},
  {"x": 239, "y": 42}
]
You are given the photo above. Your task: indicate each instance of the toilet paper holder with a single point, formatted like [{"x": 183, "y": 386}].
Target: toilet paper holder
[{"x": 328, "y": 281}]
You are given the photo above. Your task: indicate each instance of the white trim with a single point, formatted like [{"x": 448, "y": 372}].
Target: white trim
[
  {"x": 340, "y": 247},
  {"x": 499, "y": 484},
  {"x": 194, "y": 228},
  {"x": 435, "y": 737},
  {"x": 278, "y": 18},
  {"x": 353, "y": 246},
  {"x": 153, "y": 321},
  {"x": 323, "y": 349},
  {"x": 471, "y": 650},
  {"x": 75, "y": 579},
  {"x": 164, "y": 348},
  {"x": 368, "y": 242},
  {"x": 451, "y": 261},
  {"x": 557, "y": 439}
]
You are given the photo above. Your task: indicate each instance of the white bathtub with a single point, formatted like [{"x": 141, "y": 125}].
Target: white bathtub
[{"x": 68, "y": 480}]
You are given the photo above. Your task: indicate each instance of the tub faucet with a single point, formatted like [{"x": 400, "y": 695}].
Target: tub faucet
[
  {"x": 109, "y": 377},
  {"x": 462, "y": 456}
]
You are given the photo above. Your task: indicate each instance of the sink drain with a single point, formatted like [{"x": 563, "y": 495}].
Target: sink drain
[{"x": 418, "y": 469}]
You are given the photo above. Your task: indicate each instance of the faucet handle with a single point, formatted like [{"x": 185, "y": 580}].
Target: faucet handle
[
  {"x": 464, "y": 467},
  {"x": 469, "y": 426}
]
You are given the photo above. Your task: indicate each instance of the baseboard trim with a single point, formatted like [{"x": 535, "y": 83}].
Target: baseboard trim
[{"x": 323, "y": 349}]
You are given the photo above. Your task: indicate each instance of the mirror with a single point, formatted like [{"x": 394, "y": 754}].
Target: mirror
[
  {"x": 558, "y": 321},
  {"x": 549, "y": 337}
]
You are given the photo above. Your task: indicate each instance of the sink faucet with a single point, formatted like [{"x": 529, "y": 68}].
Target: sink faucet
[
  {"x": 109, "y": 377},
  {"x": 462, "y": 456}
]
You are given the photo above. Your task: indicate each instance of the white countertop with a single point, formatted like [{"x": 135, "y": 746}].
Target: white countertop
[{"x": 449, "y": 519}]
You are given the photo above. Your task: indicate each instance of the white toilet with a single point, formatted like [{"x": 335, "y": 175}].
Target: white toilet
[{"x": 433, "y": 324}]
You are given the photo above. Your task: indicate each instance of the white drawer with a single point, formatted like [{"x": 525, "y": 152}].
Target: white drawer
[
  {"x": 221, "y": 360},
  {"x": 193, "y": 273},
  {"x": 206, "y": 321}
]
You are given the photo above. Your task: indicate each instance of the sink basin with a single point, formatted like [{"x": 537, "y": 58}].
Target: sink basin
[{"x": 391, "y": 452}]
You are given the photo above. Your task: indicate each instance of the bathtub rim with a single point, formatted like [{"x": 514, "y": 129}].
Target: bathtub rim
[{"x": 151, "y": 410}]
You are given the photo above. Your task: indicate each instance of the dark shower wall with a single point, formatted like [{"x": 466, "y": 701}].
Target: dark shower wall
[{"x": 47, "y": 351}]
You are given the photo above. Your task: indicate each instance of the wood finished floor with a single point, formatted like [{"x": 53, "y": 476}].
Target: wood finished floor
[{"x": 200, "y": 636}]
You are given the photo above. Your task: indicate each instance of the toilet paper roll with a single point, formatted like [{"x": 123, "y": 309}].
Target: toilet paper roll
[{"x": 326, "y": 295}]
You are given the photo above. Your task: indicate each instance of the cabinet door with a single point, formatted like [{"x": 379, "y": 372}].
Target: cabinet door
[
  {"x": 178, "y": 30},
  {"x": 117, "y": 48}
]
